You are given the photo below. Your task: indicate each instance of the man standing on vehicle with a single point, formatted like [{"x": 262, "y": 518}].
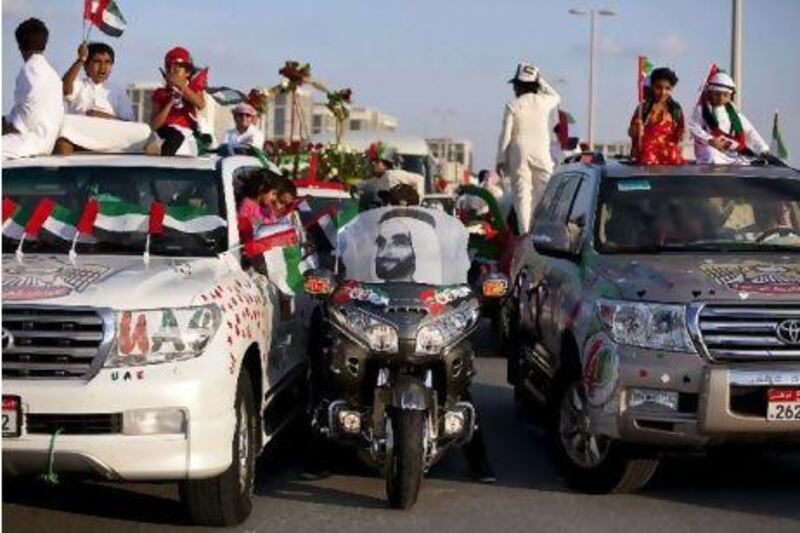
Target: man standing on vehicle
[
  {"x": 524, "y": 145},
  {"x": 381, "y": 159},
  {"x": 723, "y": 135}
]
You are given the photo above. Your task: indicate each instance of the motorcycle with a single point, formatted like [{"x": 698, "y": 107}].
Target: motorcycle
[{"x": 391, "y": 351}]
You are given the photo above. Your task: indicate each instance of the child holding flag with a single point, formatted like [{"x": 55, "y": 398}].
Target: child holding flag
[
  {"x": 722, "y": 134},
  {"x": 657, "y": 125},
  {"x": 175, "y": 105}
]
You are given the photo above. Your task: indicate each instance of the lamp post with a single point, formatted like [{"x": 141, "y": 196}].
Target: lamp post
[
  {"x": 736, "y": 49},
  {"x": 593, "y": 13}
]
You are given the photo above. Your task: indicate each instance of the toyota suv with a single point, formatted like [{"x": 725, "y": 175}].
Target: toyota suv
[
  {"x": 657, "y": 308},
  {"x": 179, "y": 364}
]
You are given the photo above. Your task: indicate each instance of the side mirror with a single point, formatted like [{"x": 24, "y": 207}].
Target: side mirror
[
  {"x": 319, "y": 282},
  {"x": 555, "y": 240}
]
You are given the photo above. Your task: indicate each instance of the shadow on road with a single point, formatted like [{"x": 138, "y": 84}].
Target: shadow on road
[{"x": 119, "y": 502}]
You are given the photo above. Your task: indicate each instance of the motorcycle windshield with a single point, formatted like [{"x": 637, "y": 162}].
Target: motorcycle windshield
[{"x": 405, "y": 245}]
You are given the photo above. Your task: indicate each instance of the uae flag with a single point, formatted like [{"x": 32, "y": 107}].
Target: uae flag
[
  {"x": 14, "y": 219},
  {"x": 645, "y": 68},
  {"x": 323, "y": 227},
  {"x": 105, "y": 15},
  {"x": 124, "y": 217},
  {"x": 281, "y": 253},
  {"x": 778, "y": 147}
]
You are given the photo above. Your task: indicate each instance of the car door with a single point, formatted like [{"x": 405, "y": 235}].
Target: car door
[{"x": 561, "y": 275}]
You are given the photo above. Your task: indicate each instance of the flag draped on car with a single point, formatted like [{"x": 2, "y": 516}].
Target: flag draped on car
[
  {"x": 778, "y": 147},
  {"x": 118, "y": 216},
  {"x": 105, "y": 14},
  {"x": 281, "y": 253}
]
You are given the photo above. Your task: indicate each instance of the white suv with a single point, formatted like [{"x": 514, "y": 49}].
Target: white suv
[{"x": 182, "y": 367}]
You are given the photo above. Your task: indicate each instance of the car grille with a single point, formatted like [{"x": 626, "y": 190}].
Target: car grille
[
  {"x": 84, "y": 424},
  {"x": 51, "y": 343},
  {"x": 747, "y": 332}
]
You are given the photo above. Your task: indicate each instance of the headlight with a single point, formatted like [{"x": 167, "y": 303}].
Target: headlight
[
  {"x": 151, "y": 336},
  {"x": 435, "y": 336},
  {"x": 647, "y": 325},
  {"x": 379, "y": 336}
]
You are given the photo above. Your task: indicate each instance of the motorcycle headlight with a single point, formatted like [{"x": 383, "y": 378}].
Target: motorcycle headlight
[
  {"x": 151, "y": 336},
  {"x": 438, "y": 334},
  {"x": 378, "y": 335},
  {"x": 647, "y": 325}
]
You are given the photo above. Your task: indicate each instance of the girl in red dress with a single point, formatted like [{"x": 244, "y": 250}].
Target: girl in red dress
[{"x": 657, "y": 125}]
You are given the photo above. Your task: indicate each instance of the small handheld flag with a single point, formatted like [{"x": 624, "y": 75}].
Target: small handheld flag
[
  {"x": 40, "y": 214},
  {"x": 105, "y": 15},
  {"x": 85, "y": 224},
  {"x": 778, "y": 147},
  {"x": 282, "y": 256},
  {"x": 155, "y": 226},
  {"x": 645, "y": 68}
]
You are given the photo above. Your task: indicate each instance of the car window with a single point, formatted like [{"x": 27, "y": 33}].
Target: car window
[
  {"x": 584, "y": 200},
  {"x": 562, "y": 203},
  {"x": 550, "y": 193}
]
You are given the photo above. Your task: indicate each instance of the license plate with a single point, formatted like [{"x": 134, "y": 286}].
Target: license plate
[
  {"x": 11, "y": 416},
  {"x": 783, "y": 405}
]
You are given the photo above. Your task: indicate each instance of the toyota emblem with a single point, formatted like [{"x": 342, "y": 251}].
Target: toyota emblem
[{"x": 788, "y": 332}]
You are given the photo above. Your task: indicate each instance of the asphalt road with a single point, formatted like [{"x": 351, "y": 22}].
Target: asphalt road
[{"x": 689, "y": 494}]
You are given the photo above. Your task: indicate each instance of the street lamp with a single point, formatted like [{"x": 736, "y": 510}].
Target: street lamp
[{"x": 592, "y": 16}]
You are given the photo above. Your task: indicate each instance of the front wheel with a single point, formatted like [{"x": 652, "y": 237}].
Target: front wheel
[
  {"x": 589, "y": 461},
  {"x": 406, "y": 457},
  {"x": 226, "y": 500}
]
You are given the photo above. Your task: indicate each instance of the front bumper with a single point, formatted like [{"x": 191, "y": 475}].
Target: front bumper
[
  {"x": 716, "y": 403},
  {"x": 201, "y": 449}
]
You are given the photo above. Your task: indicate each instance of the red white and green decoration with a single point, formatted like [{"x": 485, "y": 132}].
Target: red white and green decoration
[{"x": 105, "y": 15}]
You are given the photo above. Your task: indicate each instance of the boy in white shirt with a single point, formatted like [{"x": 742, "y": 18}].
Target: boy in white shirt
[
  {"x": 93, "y": 97},
  {"x": 246, "y": 132},
  {"x": 32, "y": 126}
]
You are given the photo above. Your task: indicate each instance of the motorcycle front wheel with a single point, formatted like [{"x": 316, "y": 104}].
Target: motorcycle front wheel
[{"x": 406, "y": 457}]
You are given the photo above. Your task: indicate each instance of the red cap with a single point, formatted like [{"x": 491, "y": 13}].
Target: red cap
[{"x": 178, "y": 55}]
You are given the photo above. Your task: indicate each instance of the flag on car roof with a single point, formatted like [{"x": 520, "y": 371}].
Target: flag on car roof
[
  {"x": 281, "y": 253},
  {"x": 105, "y": 14},
  {"x": 778, "y": 147}
]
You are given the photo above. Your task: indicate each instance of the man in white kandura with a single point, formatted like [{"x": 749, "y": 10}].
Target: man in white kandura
[
  {"x": 99, "y": 113},
  {"x": 722, "y": 134},
  {"x": 524, "y": 146},
  {"x": 246, "y": 132},
  {"x": 32, "y": 126}
]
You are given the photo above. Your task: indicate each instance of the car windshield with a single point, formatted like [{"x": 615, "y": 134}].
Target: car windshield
[
  {"x": 405, "y": 244},
  {"x": 194, "y": 222},
  {"x": 698, "y": 213}
]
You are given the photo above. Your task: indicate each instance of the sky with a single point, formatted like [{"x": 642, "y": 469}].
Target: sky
[{"x": 441, "y": 66}]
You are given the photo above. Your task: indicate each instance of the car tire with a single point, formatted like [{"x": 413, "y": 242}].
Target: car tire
[
  {"x": 590, "y": 462},
  {"x": 227, "y": 499}
]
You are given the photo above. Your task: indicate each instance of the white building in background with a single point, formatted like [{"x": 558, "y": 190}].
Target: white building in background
[
  {"x": 217, "y": 119},
  {"x": 453, "y": 157},
  {"x": 362, "y": 118}
]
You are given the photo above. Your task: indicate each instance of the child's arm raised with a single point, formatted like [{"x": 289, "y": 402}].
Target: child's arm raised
[{"x": 69, "y": 77}]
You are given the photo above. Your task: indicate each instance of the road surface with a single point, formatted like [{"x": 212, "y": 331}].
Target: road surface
[{"x": 695, "y": 494}]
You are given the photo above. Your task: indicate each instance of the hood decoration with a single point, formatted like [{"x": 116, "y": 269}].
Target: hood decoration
[
  {"x": 42, "y": 278},
  {"x": 436, "y": 299},
  {"x": 601, "y": 369},
  {"x": 755, "y": 277},
  {"x": 354, "y": 291}
]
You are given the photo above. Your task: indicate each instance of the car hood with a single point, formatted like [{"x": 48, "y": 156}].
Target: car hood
[
  {"x": 684, "y": 278},
  {"x": 117, "y": 282}
]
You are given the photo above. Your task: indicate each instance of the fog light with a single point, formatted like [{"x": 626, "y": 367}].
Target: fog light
[
  {"x": 154, "y": 422},
  {"x": 453, "y": 422},
  {"x": 350, "y": 421},
  {"x": 639, "y": 397}
]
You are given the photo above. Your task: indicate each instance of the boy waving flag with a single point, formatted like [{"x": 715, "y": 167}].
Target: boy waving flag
[{"x": 105, "y": 15}]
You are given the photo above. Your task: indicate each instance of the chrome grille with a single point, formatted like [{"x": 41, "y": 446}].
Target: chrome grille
[
  {"x": 743, "y": 332},
  {"x": 48, "y": 342}
]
